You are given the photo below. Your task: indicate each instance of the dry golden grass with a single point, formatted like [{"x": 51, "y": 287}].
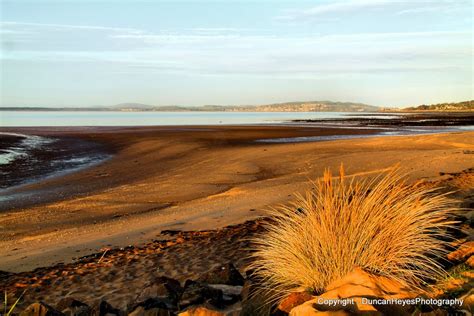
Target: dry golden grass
[{"x": 383, "y": 226}]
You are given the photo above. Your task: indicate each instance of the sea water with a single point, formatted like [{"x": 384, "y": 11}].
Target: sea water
[{"x": 112, "y": 118}]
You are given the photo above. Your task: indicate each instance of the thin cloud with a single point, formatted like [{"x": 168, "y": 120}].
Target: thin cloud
[
  {"x": 328, "y": 11},
  {"x": 264, "y": 55},
  {"x": 228, "y": 51},
  {"x": 7, "y": 24}
]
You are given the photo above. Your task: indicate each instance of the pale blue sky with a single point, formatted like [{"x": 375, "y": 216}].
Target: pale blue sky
[{"x": 381, "y": 52}]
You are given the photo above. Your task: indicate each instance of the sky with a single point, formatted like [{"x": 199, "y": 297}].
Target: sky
[{"x": 379, "y": 52}]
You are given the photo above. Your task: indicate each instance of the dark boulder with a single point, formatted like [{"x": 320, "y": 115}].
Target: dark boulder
[
  {"x": 162, "y": 287},
  {"x": 104, "y": 308},
  {"x": 225, "y": 274},
  {"x": 140, "y": 311},
  {"x": 231, "y": 293},
  {"x": 197, "y": 293},
  {"x": 156, "y": 302},
  {"x": 72, "y": 307}
]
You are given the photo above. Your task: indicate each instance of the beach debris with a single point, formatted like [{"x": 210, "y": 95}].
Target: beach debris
[
  {"x": 170, "y": 232},
  {"x": 103, "y": 254}
]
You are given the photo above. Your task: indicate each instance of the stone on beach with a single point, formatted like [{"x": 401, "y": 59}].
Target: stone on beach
[
  {"x": 293, "y": 300},
  {"x": 349, "y": 292},
  {"x": 234, "y": 310},
  {"x": 156, "y": 303},
  {"x": 71, "y": 306},
  {"x": 462, "y": 253},
  {"x": 103, "y": 308},
  {"x": 224, "y": 274},
  {"x": 197, "y": 293},
  {"x": 162, "y": 287},
  {"x": 156, "y": 311}
]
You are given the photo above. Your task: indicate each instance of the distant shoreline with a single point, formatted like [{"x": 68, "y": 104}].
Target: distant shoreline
[
  {"x": 296, "y": 106},
  {"x": 162, "y": 110}
]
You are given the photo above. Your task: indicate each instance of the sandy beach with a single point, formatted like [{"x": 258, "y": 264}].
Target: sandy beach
[{"x": 193, "y": 178}]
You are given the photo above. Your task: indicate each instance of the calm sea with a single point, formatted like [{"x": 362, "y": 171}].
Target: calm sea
[{"x": 74, "y": 118}]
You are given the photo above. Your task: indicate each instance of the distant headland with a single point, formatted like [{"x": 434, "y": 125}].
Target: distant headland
[{"x": 297, "y": 106}]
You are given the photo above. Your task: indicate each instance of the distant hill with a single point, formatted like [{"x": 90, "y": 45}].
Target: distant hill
[
  {"x": 459, "y": 106},
  {"x": 131, "y": 106},
  {"x": 302, "y": 106},
  {"x": 317, "y": 106}
]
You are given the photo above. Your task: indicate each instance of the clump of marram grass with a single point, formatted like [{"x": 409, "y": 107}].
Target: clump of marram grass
[{"x": 383, "y": 225}]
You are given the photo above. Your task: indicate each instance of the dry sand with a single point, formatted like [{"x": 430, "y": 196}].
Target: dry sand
[
  {"x": 194, "y": 178},
  {"x": 124, "y": 277}
]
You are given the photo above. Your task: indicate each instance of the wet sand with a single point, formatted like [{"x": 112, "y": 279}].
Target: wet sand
[
  {"x": 405, "y": 119},
  {"x": 193, "y": 178},
  {"x": 33, "y": 158}
]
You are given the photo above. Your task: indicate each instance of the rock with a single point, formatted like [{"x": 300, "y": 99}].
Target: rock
[
  {"x": 359, "y": 284},
  {"x": 308, "y": 309},
  {"x": 197, "y": 293},
  {"x": 156, "y": 303},
  {"x": 230, "y": 290},
  {"x": 462, "y": 253},
  {"x": 362, "y": 284},
  {"x": 468, "y": 274},
  {"x": 230, "y": 293},
  {"x": 293, "y": 300},
  {"x": 233, "y": 310},
  {"x": 225, "y": 274},
  {"x": 455, "y": 284},
  {"x": 104, "y": 308},
  {"x": 140, "y": 311},
  {"x": 346, "y": 296},
  {"x": 162, "y": 287},
  {"x": 468, "y": 301},
  {"x": 470, "y": 261},
  {"x": 72, "y": 307},
  {"x": 40, "y": 309},
  {"x": 353, "y": 305}
]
